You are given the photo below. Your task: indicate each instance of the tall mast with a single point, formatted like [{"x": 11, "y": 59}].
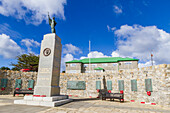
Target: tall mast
[
  {"x": 89, "y": 55},
  {"x": 152, "y": 58}
]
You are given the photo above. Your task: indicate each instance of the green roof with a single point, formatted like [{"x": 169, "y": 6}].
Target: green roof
[
  {"x": 102, "y": 60},
  {"x": 98, "y": 68}
]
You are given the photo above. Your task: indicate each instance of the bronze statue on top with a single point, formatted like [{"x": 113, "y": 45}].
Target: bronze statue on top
[{"x": 52, "y": 23}]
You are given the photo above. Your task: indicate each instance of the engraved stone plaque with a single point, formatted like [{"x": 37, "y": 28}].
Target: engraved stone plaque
[
  {"x": 98, "y": 84},
  {"x": 109, "y": 85},
  {"x": 76, "y": 85},
  {"x": 121, "y": 85},
  {"x": 148, "y": 84},
  {"x": 134, "y": 85}
]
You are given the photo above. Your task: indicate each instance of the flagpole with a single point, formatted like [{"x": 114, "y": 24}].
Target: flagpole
[
  {"x": 152, "y": 57},
  {"x": 89, "y": 56}
]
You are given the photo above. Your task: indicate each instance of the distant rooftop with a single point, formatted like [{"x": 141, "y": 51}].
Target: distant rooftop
[{"x": 102, "y": 60}]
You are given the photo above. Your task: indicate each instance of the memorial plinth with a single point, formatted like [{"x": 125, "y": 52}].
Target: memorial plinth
[{"x": 47, "y": 90}]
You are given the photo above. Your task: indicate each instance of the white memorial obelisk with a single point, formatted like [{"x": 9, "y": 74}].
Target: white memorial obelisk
[
  {"x": 49, "y": 66},
  {"x": 47, "y": 90}
]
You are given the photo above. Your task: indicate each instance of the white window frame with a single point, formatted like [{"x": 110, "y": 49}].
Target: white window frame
[
  {"x": 105, "y": 65},
  {"x": 85, "y": 65},
  {"x": 127, "y": 63},
  {"x": 73, "y": 65},
  {"x": 72, "y": 71},
  {"x": 114, "y": 64},
  {"x": 98, "y": 71},
  {"x": 93, "y": 65}
]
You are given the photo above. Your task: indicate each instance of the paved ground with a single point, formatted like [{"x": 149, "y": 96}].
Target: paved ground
[
  {"x": 7, "y": 106},
  {"x": 79, "y": 106}
]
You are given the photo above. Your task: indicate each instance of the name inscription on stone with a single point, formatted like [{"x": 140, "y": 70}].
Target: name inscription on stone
[
  {"x": 76, "y": 85},
  {"x": 44, "y": 78},
  {"x": 44, "y": 70}
]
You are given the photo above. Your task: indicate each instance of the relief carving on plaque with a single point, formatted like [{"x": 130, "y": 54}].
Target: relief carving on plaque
[{"x": 47, "y": 51}]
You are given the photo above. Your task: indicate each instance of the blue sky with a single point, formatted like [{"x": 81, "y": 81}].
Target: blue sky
[{"x": 125, "y": 28}]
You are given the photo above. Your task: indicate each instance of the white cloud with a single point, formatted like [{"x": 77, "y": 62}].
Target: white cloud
[
  {"x": 69, "y": 48},
  {"x": 146, "y": 64},
  {"x": 94, "y": 54},
  {"x": 110, "y": 28},
  {"x": 138, "y": 41},
  {"x": 30, "y": 43},
  {"x": 115, "y": 54},
  {"x": 8, "y": 47},
  {"x": 117, "y": 9},
  {"x": 6, "y": 29},
  {"x": 67, "y": 57},
  {"x": 37, "y": 9}
]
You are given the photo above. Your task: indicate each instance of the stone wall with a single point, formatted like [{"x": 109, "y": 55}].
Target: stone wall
[
  {"x": 160, "y": 83},
  {"x": 160, "y": 75},
  {"x": 12, "y": 76}
]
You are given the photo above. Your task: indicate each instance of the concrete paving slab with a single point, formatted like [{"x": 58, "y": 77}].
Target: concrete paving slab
[{"x": 89, "y": 106}]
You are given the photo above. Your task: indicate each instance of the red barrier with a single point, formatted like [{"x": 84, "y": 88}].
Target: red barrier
[
  {"x": 153, "y": 103},
  {"x": 132, "y": 100},
  {"x": 36, "y": 95}
]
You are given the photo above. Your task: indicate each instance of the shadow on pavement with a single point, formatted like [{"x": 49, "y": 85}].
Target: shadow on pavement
[
  {"x": 85, "y": 99},
  {"x": 90, "y": 99}
]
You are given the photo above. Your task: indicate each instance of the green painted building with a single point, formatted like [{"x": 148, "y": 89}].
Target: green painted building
[{"x": 100, "y": 64}]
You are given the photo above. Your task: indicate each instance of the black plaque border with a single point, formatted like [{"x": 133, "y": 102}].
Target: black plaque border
[{"x": 45, "y": 50}]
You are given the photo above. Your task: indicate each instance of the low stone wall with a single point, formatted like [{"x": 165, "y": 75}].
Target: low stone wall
[
  {"x": 160, "y": 76},
  {"x": 12, "y": 76}
]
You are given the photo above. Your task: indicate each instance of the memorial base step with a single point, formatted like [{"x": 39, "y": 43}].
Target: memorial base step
[{"x": 44, "y": 101}]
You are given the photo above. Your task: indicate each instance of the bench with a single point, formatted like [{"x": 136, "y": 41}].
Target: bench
[
  {"x": 23, "y": 91},
  {"x": 105, "y": 95},
  {"x": 113, "y": 96}
]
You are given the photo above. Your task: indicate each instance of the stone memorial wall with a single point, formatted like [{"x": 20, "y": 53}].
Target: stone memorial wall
[
  {"x": 11, "y": 76},
  {"x": 134, "y": 82}
]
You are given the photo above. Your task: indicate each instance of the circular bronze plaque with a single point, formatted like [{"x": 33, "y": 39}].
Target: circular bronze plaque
[{"x": 47, "y": 51}]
